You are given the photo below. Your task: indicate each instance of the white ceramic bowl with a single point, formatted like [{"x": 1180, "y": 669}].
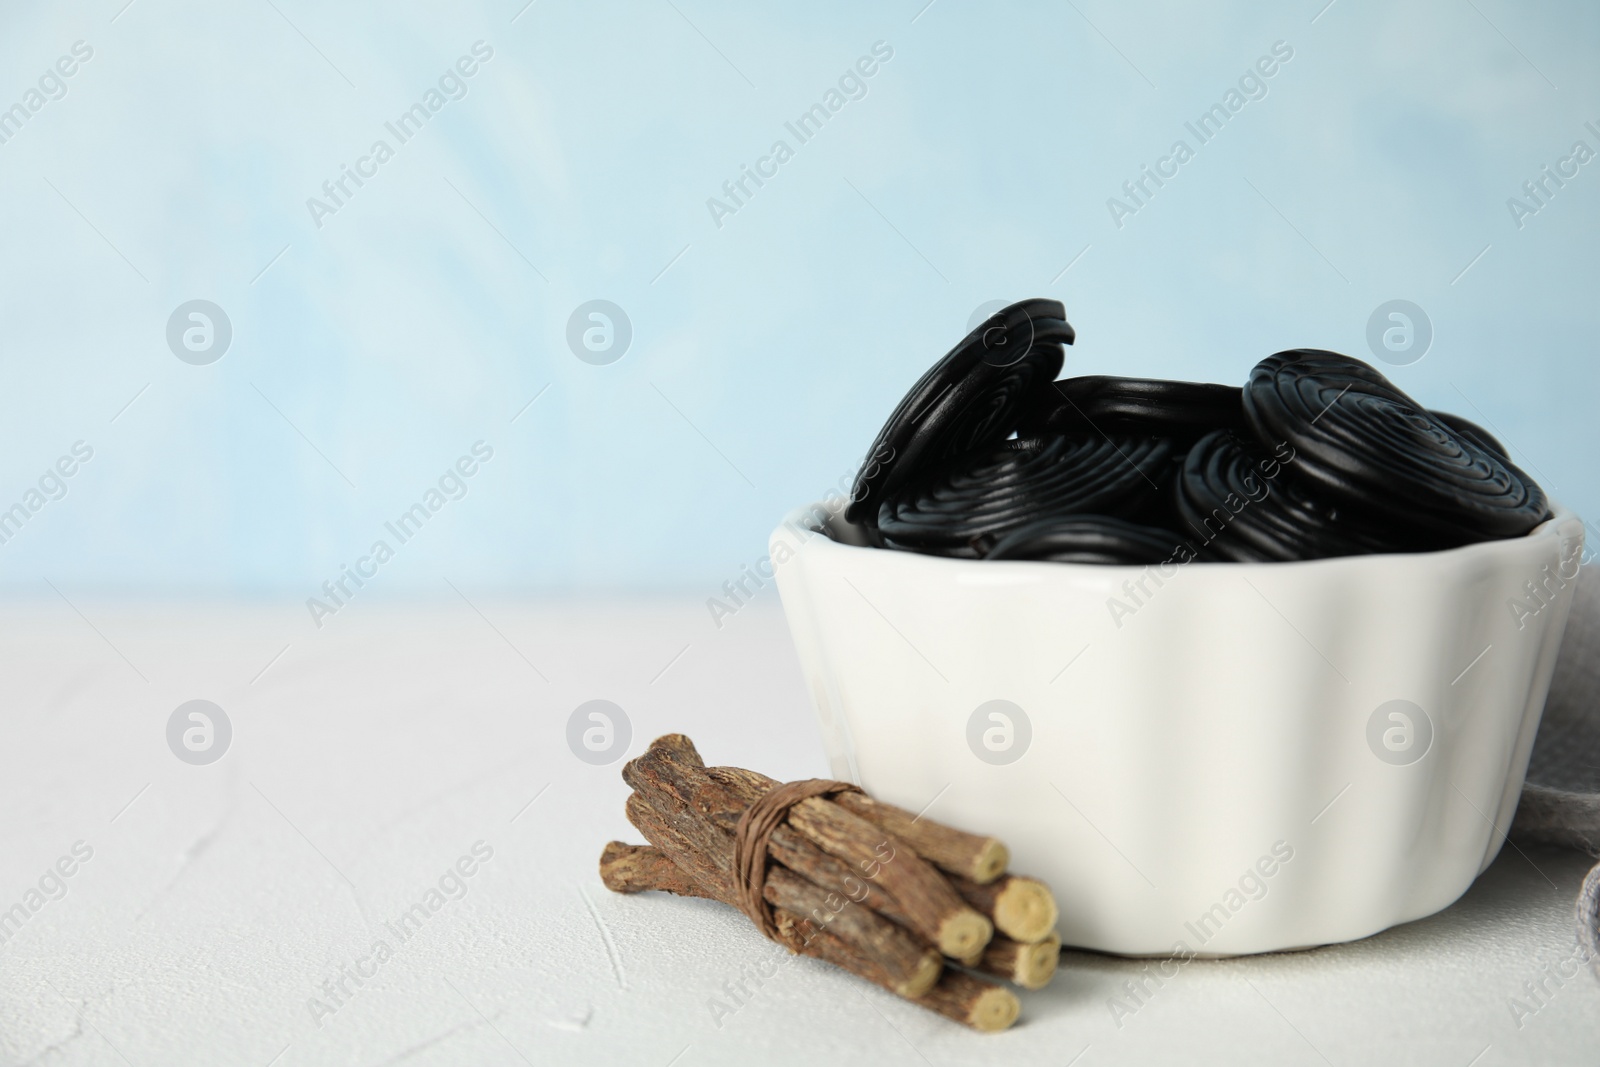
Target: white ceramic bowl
[{"x": 1226, "y": 758}]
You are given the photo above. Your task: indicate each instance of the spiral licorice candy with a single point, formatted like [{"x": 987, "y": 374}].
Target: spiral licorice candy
[
  {"x": 1090, "y": 539},
  {"x": 1183, "y": 411},
  {"x": 969, "y": 400},
  {"x": 1318, "y": 455},
  {"x": 1367, "y": 445},
  {"x": 987, "y": 494}
]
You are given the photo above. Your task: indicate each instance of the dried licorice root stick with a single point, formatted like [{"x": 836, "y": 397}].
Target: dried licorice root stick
[
  {"x": 1029, "y": 965},
  {"x": 921, "y": 893},
  {"x": 628, "y": 868},
  {"x": 829, "y": 882},
  {"x": 959, "y": 997},
  {"x": 806, "y": 938},
  {"x": 907, "y": 966},
  {"x": 1022, "y": 908},
  {"x": 641, "y": 868},
  {"x": 735, "y": 789},
  {"x": 972, "y": 856},
  {"x": 703, "y": 852},
  {"x": 795, "y": 852},
  {"x": 973, "y": 1002},
  {"x": 670, "y": 775},
  {"x": 895, "y": 959}
]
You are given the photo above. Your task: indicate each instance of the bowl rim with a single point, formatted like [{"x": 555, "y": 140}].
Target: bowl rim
[{"x": 802, "y": 520}]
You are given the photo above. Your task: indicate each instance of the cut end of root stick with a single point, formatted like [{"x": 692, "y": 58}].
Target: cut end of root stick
[
  {"x": 1036, "y": 964},
  {"x": 994, "y": 1010},
  {"x": 964, "y": 934},
  {"x": 1025, "y": 910},
  {"x": 970, "y": 1001},
  {"x": 990, "y": 863}
]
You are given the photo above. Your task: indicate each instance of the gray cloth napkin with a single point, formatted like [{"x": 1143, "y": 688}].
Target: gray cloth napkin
[{"x": 1561, "y": 797}]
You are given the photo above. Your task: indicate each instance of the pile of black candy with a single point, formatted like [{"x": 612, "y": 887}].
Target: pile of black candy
[{"x": 1318, "y": 455}]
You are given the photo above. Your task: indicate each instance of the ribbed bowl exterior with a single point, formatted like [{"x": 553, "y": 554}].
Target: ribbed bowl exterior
[{"x": 1204, "y": 759}]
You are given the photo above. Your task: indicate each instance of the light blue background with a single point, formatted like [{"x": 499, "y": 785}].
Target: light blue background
[{"x": 766, "y": 356}]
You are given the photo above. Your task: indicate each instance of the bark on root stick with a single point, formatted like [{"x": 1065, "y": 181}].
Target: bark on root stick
[
  {"x": 628, "y": 868},
  {"x": 793, "y": 850},
  {"x": 671, "y": 775},
  {"x": 826, "y": 856},
  {"x": 682, "y": 842},
  {"x": 700, "y": 849},
  {"x": 723, "y": 794},
  {"x": 972, "y": 1002},
  {"x": 958, "y": 996},
  {"x": 905, "y": 965},
  {"x": 968, "y": 855},
  {"x": 972, "y": 856},
  {"x": 921, "y": 893}
]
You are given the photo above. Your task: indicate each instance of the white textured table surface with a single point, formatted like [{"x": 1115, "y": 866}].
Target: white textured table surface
[{"x": 372, "y": 755}]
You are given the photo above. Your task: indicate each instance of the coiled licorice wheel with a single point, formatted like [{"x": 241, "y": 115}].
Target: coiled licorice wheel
[
  {"x": 1365, "y": 444},
  {"x": 1473, "y": 433},
  {"x": 1179, "y": 411},
  {"x": 1090, "y": 539},
  {"x": 971, "y": 499},
  {"x": 971, "y": 399},
  {"x": 1242, "y": 503}
]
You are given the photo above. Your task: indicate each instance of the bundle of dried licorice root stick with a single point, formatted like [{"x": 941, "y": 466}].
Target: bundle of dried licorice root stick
[{"x": 826, "y": 871}]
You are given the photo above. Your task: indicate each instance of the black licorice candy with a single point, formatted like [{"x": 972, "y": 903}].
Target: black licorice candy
[
  {"x": 987, "y": 494},
  {"x": 1319, "y": 455},
  {"x": 1239, "y": 502},
  {"x": 1099, "y": 403},
  {"x": 968, "y": 400},
  {"x": 1368, "y": 445},
  {"x": 1091, "y": 539},
  {"x": 1474, "y": 433}
]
